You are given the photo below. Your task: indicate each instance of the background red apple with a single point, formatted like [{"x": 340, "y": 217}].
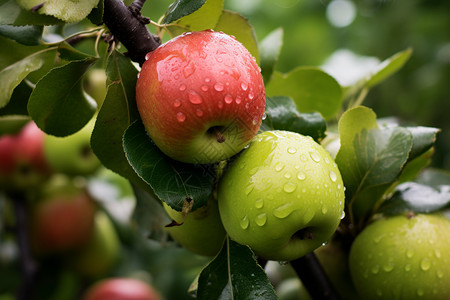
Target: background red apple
[{"x": 121, "y": 289}]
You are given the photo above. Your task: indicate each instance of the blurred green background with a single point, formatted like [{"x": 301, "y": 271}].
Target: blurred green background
[{"x": 314, "y": 30}]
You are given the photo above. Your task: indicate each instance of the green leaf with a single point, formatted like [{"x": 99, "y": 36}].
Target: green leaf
[
  {"x": 116, "y": 114},
  {"x": 12, "y": 75},
  {"x": 19, "y": 101},
  {"x": 69, "y": 53},
  {"x": 417, "y": 198},
  {"x": 193, "y": 15},
  {"x": 423, "y": 139},
  {"x": 58, "y": 104},
  {"x": 233, "y": 23},
  {"x": 234, "y": 274},
  {"x": 12, "y": 124},
  {"x": 27, "y": 35},
  {"x": 96, "y": 15},
  {"x": 173, "y": 182},
  {"x": 311, "y": 89},
  {"x": 269, "y": 51},
  {"x": 388, "y": 67},
  {"x": 12, "y": 14},
  {"x": 282, "y": 114}
]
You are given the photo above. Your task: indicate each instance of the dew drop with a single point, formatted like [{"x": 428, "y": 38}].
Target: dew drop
[
  {"x": 264, "y": 116},
  {"x": 375, "y": 269},
  {"x": 301, "y": 175},
  {"x": 259, "y": 203},
  {"x": 138, "y": 75},
  {"x": 324, "y": 209},
  {"x": 251, "y": 96},
  {"x": 425, "y": 264},
  {"x": 279, "y": 166},
  {"x": 388, "y": 267},
  {"x": 287, "y": 175},
  {"x": 315, "y": 156},
  {"x": 283, "y": 211},
  {"x": 333, "y": 176},
  {"x": 342, "y": 215},
  {"x": 199, "y": 112},
  {"x": 289, "y": 187},
  {"x": 218, "y": 87},
  {"x": 195, "y": 98},
  {"x": 249, "y": 189},
  {"x": 327, "y": 161},
  {"x": 244, "y": 86},
  {"x": 408, "y": 268},
  {"x": 205, "y": 88},
  {"x": 182, "y": 88},
  {"x": 228, "y": 99},
  {"x": 244, "y": 222},
  {"x": 261, "y": 219},
  {"x": 292, "y": 150},
  {"x": 303, "y": 157},
  {"x": 207, "y": 80},
  {"x": 181, "y": 117},
  {"x": 409, "y": 253},
  {"x": 188, "y": 70},
  {"x": 177, "y": 103},
  {"x": 238, "y": 100},
  {"x": 440, "y": 274},
  {"x": 147, "y": 56},
  {"x": 255, "y": 121}
]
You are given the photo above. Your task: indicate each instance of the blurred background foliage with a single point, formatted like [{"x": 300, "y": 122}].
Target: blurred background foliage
[{"x": 317, "y": 30}]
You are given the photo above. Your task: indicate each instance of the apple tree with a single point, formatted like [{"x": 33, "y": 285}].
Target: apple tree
[{"x": 186, "y": 156}]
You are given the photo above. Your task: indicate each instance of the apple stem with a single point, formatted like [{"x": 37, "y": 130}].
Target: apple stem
[
  {"x": 313, "y": 277},
  {"x": 29, "y": 265}
]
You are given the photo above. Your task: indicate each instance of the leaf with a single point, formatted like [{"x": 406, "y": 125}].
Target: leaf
[
  {"x": 175, "y": 183},
  {"x": 12, "y": 14},
  {"x": 27, "y": 35},
  {"x": 12, "y": 75},
  {"x": 192, "y": 15},
  {"x": 388, "y": 67},
  {"x": 19, "y": 101},
  {"x": 417, "y": 198},
  {"x": 58, "y": 104},
  {"x": 311, "y": 89},
  {"x": 96, "y": 15},
  {"x": 269, "y": 51},
  {"x": 234, "y": 274},
  {"x": 234, "y": 24},
  {"x": 423, "y": 139},
  {"x": 69, "y": 53},
  {"x": 282, "y": 114},
  {"x": 116, "y": 114}
]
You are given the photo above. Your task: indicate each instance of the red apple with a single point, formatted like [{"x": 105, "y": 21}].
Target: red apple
[
  {"x": 121, "y": 289},
  {"x": 201, "y": 97}
]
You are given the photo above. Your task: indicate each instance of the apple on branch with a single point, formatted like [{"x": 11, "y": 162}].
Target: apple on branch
[
  {"x": 201, "y": 97},
  {"x": 121, "y": 288}
]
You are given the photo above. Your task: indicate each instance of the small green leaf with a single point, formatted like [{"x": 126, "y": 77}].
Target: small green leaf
[
  {"x": 173, "y": 182},
  {"x": 311, "y": 89},
  {"x": 234, "y": 274},
  {"x": 29, "y": 35},
  {"x": 388, "y": 67},
  {"x": 269, "y": 51},
  {"x": 235, "y": 24},
  {"x": 282, "y": 114},
  {"x": 69, "y": 53},
  {"x": 12, "y": 14},
  {"x": 192, "y": 15},
  {"x": 12, "y": 75},
  {"x": 58, "y": 104},
  {"x": 417, "y": 198}
]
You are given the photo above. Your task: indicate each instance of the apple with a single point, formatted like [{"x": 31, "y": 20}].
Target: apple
[
  {"x": 121, "y": 288},
  {"x": 95, "y": 85},
  {"x": 72, "y": 155},
  {"x": 403, "y": 257},
  {"x": 201, "y": 97},
  {"x": 201, "y": 231},
  {"x": 63, "y": 218},
  {"x": 101, "y": 252},
  {"x": 22, "y": 161},
  {"x": 283, "y": 196}
]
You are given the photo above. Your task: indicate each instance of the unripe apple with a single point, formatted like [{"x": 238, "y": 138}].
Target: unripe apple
[
  {"x": 62, "y": 219},
  {"x": 121, "y": 289},
  {"x": 101, "y": 252},
  {"x": 72, "y": 155},
  {"x": 201, "y": 231},
  {"x": 403, "y": 257},
  {"x": 283, "y": 196},
  {"x": 201, "y": 97}
]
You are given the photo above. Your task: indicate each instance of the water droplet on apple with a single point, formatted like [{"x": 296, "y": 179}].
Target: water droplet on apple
[
  {"x": 342, "y": 215},
  {"x": 181, "y": 117},
  {"x": 261, "y": 219},
  {"x": 238, "y": 99},
  {"x": 228, "y": 99},
  {"x": 251, "y": 95},
  {"x": 194, "y": 98},
  {"x": 220, "y": 104},
  {"x": 425, "y": 264},
  {"x": 138, "y": 75},
  {"x": 244, "y": 222},
  {"x": 314, "y": 156},
  {"x": 218, "y": 87},
  {"x": 244, "y": 86},
  {"x": 440, "y": 274},
  {"x": 375, "y": 269},
  {"x": 188, "y": 70},
  {"x": 339, "y": 186},
  {"x": 255, "y": 121},
  {"x": 182, "y": 88},
  {"x": 327, "y": 160},
  {"x": 283, "y": 211},
  {"x": 409, "y": 253},
  {"x": 324, "y": 209},
  {"x": 301, "y": 175},
  {"x": 249, "y": 189},
  {"x": 408, "y": 268},
  {"x": 287, "y": 175},
  {"x": 289, "y": 187},
  {"x": 333, "y": 176},
  {"x": 259, "y": 203},
  {"x": 205, "y": 88},
  {"x": 207, "y": 80},
  {"x": 177, "y": 103},
  {"x": 279, "y": 166},
  {"x": 388, "y": 267},
  {"x": 303, "y": 158},
  {"x": 437, "y": 253},
  {"x": 199, "y": 112},
  {"x": 147, "y": 56},
  {"x": 292, "y": 150}
]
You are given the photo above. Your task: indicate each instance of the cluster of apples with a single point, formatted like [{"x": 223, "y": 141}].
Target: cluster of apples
[{"x": 201, "y": 98}]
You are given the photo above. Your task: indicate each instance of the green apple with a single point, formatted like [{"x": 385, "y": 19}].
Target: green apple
[
  {"x": 283, "y": 196},
  {"x": 201, "y": 231},
  {"x": 121, "y": 289},
  {"x": 72, "y": 155},
  {"x": 63, "y": 217},
  {"x": 201, "y": 97},
  {"x": 95, "y": 85},
  {"x": 100, "y": 254},
  {"x": 403, "y": 257}
]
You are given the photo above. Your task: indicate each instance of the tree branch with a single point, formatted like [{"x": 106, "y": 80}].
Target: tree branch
[
  {"x": 313, "y": 277},
  {"x": 129, "y": 27}
]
